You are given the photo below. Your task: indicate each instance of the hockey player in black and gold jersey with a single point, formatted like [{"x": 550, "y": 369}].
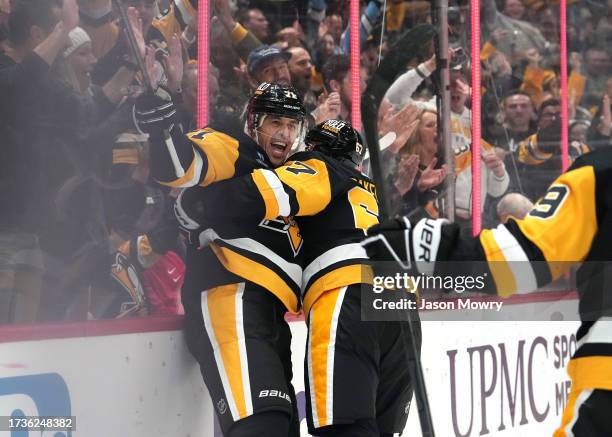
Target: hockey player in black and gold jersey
[
  {"x": 333, "y": 204},
  {"x": 570, "y": 224},
  {"x": 238, "y": 288}
]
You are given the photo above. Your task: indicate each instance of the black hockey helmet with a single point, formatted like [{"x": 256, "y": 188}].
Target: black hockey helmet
[
  {"x": 274, "y": 99},
  {"x": 338, "y": 139}
]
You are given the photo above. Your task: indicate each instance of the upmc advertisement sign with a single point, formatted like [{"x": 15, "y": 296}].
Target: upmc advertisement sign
[
  {"x": 490, "y": 378},
  {"x": 496, "y": 378},
  {"x": 487, "y": 378},
  {"x": 136, "y": 379}
]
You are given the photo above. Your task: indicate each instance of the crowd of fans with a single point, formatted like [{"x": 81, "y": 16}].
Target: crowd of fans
[{"x": 85, "y": 233}]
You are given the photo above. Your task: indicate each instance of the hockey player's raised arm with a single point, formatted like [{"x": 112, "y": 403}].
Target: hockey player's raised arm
[
  {"x": 183, "y": 160},
  {"x": 298, "y": 188},
  {"x": 555, "y": 234},
  {"x": 174, "y": 161},
  {"x": 522, "y": 255}
]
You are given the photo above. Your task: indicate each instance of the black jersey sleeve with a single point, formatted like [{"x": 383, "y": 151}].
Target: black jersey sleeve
[
  {"x": 523, "y": 255},
  {"x": 301, "y": 187}
]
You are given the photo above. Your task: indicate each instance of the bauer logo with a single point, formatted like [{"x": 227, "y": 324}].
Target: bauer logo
[
  {"x": 274, "y": 394},
  {"x": 35, "y": 395},
  {"x": 425, "y": 240}
]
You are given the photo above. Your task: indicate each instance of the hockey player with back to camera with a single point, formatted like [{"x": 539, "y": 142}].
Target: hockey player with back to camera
[
  {"x": 238, "y": 288},
  {"x": 570, "y": 224},
  {"x": 357, "y": 380}
]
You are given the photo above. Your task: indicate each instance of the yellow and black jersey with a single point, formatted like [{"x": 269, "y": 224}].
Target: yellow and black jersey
[
  {"x": 266, "y": 253},
  {"x": 570, "y": 224},
  {"x": 530, "y": 152},
  {"x": 205, "y": 156},
  {"x": 539, "y": 166},
  {"x": 176, "y": 17},
  {"x": 332, "y": 203}
]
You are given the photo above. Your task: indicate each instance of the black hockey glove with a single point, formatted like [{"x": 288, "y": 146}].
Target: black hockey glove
[
  {"x": 154, "y": 113},
  {"x": 411, "y": 247}
]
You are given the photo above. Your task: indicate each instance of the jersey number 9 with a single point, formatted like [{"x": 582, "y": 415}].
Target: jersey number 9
[{"x": 549, "y": 204}]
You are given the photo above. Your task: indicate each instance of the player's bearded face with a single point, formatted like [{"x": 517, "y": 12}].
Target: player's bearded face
[{"x": 276, "y": 136}]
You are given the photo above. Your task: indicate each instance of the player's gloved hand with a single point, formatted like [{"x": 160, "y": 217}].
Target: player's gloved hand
[
  {"x": 189, "y": 211},
  {"x": 154, "y": 113},
  {"x": 396, "y": 240},
  {"x": 390, "y": 241}
]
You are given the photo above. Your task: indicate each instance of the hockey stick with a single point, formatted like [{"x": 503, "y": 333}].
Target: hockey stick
[
  {"x": 395, "y": 62},
  {"x": 133, "y": 47},
  {"x": 442, "y": 83}
]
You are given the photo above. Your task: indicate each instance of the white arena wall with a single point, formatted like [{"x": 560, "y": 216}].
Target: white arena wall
[{"x": 135, "y": 378}]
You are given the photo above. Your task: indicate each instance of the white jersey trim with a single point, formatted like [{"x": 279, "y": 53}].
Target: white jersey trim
[
  {"x": 244, "y": 361},
  {"x": 331, "y": 354},
  {"x": 332, "y": 256},
  {"x": 219, "y": 358},
  {"x": 282, "y": 198},
  {"x": 294, "y": 271},
  {"x": 199, "y": 163},
  {"x": 600, "y": 332},
  {"x": 517, "y": 260},
  {"x": 582, "y": 397},
  {"x": 313, "y": 398}
]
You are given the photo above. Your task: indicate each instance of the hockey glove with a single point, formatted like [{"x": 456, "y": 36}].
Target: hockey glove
[
  {"x": 154, "y": 113},
  {"x": 396, "y": 240},
  {"x": 189, "y": 212}
]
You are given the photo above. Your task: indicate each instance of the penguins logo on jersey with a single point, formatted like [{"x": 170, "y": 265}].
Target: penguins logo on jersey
[{"x": 287, "y": 226}]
